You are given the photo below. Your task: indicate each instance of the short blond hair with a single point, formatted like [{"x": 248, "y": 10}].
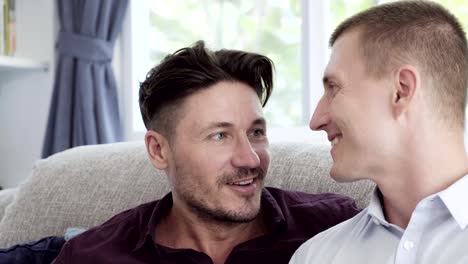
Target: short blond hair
[{"x": 422, "y": 33}]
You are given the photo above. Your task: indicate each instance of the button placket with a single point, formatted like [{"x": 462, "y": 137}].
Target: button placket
[
  {"x": 407, "y": 249},
  {"x": 408, "y": 245}
]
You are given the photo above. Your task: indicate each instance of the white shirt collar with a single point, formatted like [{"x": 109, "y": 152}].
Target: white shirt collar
[
  {"x": 455, "y": 198},
  {"x": 375, "y": 209}
]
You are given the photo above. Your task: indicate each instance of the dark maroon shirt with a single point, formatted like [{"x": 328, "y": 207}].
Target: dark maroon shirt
[{"x": 291, "y": 218}]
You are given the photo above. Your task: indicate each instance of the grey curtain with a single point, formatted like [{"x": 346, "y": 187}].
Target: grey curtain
[{"x": 84, "y": 108}]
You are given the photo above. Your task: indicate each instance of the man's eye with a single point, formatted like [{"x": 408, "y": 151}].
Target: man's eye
[
  {"x": 219, "y": 136},
  {"x": 258, "y": 132},
  {"x": 334, "y": 89}
]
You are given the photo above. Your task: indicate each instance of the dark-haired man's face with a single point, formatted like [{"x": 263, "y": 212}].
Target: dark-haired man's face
[{"x": 219, "y": 155}]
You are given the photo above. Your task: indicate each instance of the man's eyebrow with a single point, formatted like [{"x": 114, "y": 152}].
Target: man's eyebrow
[
  {"x": 327, "y": 80},
  {"x": 218, "y": 125},
  {"x": 259, "y": 121}
]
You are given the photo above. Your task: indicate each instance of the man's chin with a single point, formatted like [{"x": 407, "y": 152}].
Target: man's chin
[
  {"x": 241, "y": 212},
  {"x": 234, "y": 217},
  {"x": 342, "y": 176},
  {"x": 244, "y": 212},
  {"x": 338, "y": 175},
  {"x": 239, "y": 219}
]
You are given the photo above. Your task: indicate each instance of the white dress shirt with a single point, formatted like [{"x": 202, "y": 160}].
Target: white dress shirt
[{"x": 436, "y": 233}]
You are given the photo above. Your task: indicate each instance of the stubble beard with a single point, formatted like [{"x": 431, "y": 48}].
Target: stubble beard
[{"x": 192, "y": 196}]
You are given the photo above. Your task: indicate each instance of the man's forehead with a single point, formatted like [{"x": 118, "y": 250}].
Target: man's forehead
[
  {"x": 345, "y": 56},
  {"x": 228, "y": 103},
  {"x": 332, "y": 72},
  {"x": 346, "y": 44},
  {"x": 225, "y": 124}
]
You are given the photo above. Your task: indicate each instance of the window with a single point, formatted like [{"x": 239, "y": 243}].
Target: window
[
  {"x": 459, "y": 8},
  {"x": 293, "y": 33},
  {"x": 342, "y": 9},
  {"x": 270, "y": 27}
]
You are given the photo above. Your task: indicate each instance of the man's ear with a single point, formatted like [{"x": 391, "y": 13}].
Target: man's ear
[
  {"x": 406, "y": 83},
  {"x": 158, "y": 149}
]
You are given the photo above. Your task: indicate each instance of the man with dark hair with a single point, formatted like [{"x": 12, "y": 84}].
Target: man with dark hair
[
  {"x": 394, "y": 111},
  {"x": 206, "y": 130}
]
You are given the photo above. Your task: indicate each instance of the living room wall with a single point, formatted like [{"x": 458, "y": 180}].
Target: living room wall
[{"x": 25, "y": 93}]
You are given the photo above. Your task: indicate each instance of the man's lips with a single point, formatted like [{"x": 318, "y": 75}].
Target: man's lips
[
  {"x": 243, "y": 182},
  {"x": 245, "y": 186},
  {"x": 332, "y": 136},
  {"x": 334, "y": 139}
]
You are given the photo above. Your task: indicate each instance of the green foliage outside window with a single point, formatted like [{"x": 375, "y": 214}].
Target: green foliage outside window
[
  {"x": 459, "y": 8},
  {"x": 270, "y": 27}
]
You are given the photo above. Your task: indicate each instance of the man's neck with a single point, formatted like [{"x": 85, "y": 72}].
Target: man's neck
[
  {"x": 418, "y": 175},
  {"x": 183, "y": 229}
]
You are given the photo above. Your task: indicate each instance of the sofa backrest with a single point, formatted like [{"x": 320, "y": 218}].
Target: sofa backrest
[
  {"x": 84, "y": 186},
  {"x": 6, "y": 197}
]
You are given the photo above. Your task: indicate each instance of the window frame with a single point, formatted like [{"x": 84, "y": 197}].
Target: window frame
[{"x": 130, "y": 60}]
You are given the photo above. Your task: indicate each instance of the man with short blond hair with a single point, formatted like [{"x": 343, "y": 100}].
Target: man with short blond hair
[{"x": 394, "y": 111}]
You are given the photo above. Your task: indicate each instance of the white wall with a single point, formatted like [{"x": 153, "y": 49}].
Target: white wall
[{"x": 25, "y": 95}]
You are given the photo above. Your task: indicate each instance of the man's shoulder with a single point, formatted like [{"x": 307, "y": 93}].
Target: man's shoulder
[
  {"x": 118, "y": 232},
  {"x": 331, "y": 240},
  {"x": 342, "y": 230},
  {"x": 317, "y": 201},
  {"x": 307, "y": 214},
  {"x": 124, "y": 219}
]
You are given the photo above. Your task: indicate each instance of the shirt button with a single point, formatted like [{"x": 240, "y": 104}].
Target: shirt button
[{"x": 408, "y": 245}]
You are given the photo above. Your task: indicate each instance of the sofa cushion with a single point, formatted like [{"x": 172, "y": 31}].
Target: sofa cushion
[
  {"x": 86, "y": 185},
  {"x": 6, "y": 197}
]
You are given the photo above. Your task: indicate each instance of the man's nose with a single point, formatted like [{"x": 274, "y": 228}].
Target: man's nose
[
  {"x": 321, "y": 116},
  {"x": 245, "y": 155}
]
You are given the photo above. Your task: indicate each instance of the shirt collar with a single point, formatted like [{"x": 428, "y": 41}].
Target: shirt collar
[
  {"x": 454, "y": 198},
  {"x": 375, "y": 210},
  {"x": 160, "y": 209},
  {"x": 273, "y": 216}
]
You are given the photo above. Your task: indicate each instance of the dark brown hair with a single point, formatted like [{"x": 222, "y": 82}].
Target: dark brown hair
[
  {"x": 191, "y": 69},
  {"x": 421, "y": 33}
]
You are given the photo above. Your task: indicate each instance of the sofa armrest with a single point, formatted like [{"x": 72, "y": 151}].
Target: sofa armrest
[{"x": 6, "y": 197}]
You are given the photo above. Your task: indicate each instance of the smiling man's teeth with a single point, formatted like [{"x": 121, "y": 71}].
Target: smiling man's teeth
[
  {"x": 242, "y": 183},
  {"x": 335, "y": 141}
]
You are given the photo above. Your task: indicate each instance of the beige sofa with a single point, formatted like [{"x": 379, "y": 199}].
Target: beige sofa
[{"x": 84, "y": 186}]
